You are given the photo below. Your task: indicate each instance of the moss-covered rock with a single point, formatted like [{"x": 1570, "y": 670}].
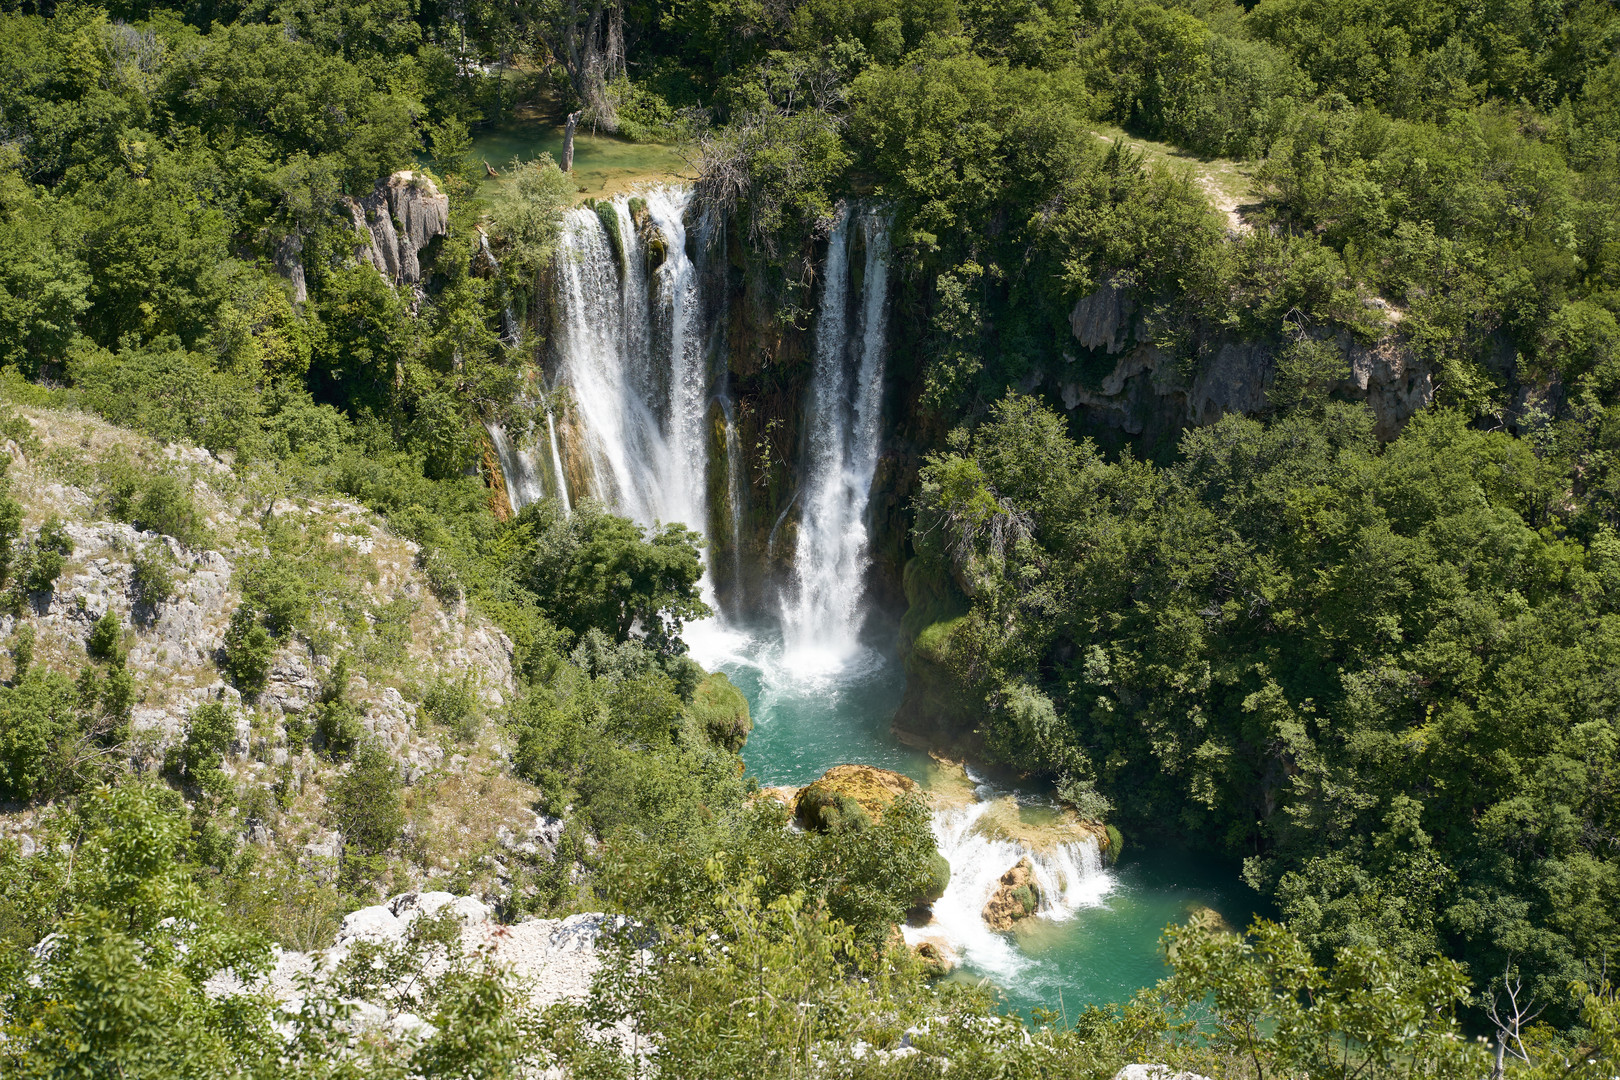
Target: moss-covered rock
[
  {"x": 721, "y": 712},
  {"x": 1016, "y": 897},
  {"x": 845, "y": 790}
]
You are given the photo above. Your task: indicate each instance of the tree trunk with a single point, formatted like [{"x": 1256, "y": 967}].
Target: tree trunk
[{"x": 568, "y": 140}]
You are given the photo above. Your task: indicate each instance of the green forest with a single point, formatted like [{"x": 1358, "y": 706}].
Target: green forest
[{"x": 1374, "y": 660}]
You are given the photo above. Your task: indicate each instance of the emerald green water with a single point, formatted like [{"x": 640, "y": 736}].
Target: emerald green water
[
  {"x": 602, "y": 164},
  {"x": 1107, "y": 948}
]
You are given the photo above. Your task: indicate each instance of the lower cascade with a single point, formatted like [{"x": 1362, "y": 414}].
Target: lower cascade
[{"x": 1067, "y": 876}]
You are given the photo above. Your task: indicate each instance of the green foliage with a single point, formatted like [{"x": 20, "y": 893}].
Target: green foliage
[
  {"x": 210, "y": 730},
  {"x": 594, "y": 570},
  {"x": 364, "y": 805},
  {"x": 337, "y": 719},
  {"x": 167, "y": 507},
  {"x": 106, "y": 634},
  {"x": 721, "y": 712},
  {"x": 47, "y": 556},
  {"x": 453, "y": 703},
  {"x": 22, "y": 651},
  {"x": 41, "y": 728},
  {"x": 150, "y": 577},
  {"x": 247, "y": 652},
  {"x": 1264, "y": 642}
]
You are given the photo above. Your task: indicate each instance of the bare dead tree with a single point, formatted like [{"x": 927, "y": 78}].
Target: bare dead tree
[
  {"x": 1510, "y": 1016},
  {"x": 588, "y": 41}
]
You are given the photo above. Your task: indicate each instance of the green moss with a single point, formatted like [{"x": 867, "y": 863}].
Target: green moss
[
  {"x": 721, "y": 712},
  {"x": 1116, "y": 844},
  {"x": 608, "y": 215},
  {"x": 824, "y": 810},
  {"x": 931, "y": 595}
]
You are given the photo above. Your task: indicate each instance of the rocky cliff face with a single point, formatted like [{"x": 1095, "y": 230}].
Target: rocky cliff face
[
  {"x": 402, "y": 216},
  {"x": 1144, "y": 393},
  {"x": 368, "y": 600}
]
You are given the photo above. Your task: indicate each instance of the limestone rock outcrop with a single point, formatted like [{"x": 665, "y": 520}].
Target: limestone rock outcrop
[
  {"x": 846, "y": 789},
  {"x": 402, "y": 215},
  {"x": 1146, "y": 391}
]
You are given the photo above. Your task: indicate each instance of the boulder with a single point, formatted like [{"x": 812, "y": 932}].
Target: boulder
[
  {"x": 1016, "y": 897},
  {"x": 846, "y": 789},
  {"x": 1155, "y": 1072},
  {"x": 722, "y": 712}
]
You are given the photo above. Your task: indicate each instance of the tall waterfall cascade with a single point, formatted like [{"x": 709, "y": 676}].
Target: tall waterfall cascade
[
  {"x": 822, "y": 618},
  {"x": 632, "y": 351},
  {"x": 633, "y": 348}
]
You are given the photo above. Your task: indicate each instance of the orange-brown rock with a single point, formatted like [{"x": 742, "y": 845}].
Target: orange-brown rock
[
  {"x": 871, "y": 788},
  {"x": 1016, "y": 897}
]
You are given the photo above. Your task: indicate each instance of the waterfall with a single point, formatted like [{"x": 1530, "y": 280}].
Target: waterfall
[
  {"x": 517, "y": 470},
  {"x": 1070, "y": 877},
  {"x": 632, "y": 350},
  {"x": 822, "y": 622},
  {"x": 557, "y": 474},
  {"x": 734, "y": 493}
]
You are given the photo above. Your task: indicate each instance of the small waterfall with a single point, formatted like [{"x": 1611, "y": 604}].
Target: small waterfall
[
  {"x": 1070, "y": 877},
  {"x": 631, "y": 349},
  {"x": 734, "y": 493},
  {"x": 517, "y": 469},
  {"x": 822, "y": 622},
  {"x": 557, "y": 474}
]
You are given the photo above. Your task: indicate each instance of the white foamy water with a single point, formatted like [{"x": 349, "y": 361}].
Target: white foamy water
[
  {"x": 631, "y": 350},
  {"x": 1070, "y": 877},
  {"x": 822, "y": 621}
]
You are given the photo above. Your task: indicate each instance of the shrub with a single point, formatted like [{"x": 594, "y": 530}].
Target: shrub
[
  {"x": 280, "y": 593},
  {"x": 197, "y": 759},
  {"x": 10, "y": 531},
  {"x": 39, "y": 720},
  {"x": 337, "y": 721},
  {"x": 149, "y": 577},
  {"x": 105, "y": 636},
  {"x": 247, "y": 652},
  {"x": 167, "y": 507},
  {"x": 49, "y": 556},
  {"x": 364, "y": 805},
  {"x": 451, "y": 703},
  {"x": 22, "y": 652}
]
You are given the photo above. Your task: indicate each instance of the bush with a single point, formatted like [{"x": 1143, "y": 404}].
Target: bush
[
  {"x": 451, "y": 703},
  {"x": 247, "y": 652},
  {"x": 51, "y": 549},
  {"x": 167, "y": 507},
  {"x": 39, "y": 720},
  {"x": 22, "y": 652},
  {"x": 337, "y": 721},
  {"x": 10, "y": 531},
  {"x": 280, "y": 593},
  {"x": 105, "y": 636},
  {"x": 197, "y": 759},
  {"x": 364, "y": 805},
  {"x": 149, "y": 577}
]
